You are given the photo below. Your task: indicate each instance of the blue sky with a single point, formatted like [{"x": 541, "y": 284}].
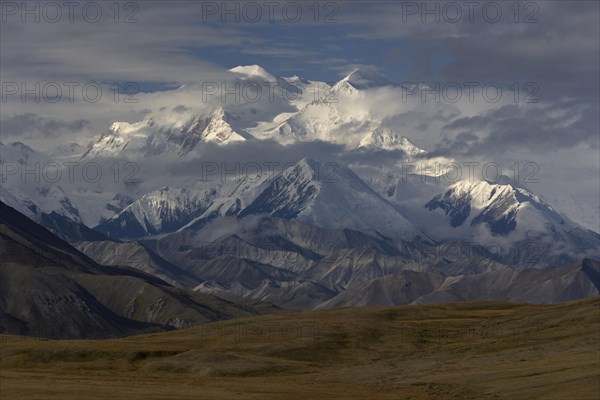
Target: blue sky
[{"x": 325, "y": 51}]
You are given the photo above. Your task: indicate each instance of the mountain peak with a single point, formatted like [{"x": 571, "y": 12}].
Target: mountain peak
[
  {"x": 254, "y": 71},
  {"x": 362, "y": 79},
  {"x": 338, "y": 199},
  {"x": 388, "y": 139},
  {"x": 306, "y": 170},
  {"x": 220, "y": 113},
  {"x": 220, "y": 131}
]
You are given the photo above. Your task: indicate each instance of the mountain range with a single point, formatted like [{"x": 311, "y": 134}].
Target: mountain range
[
  {"x": 346, "y": 227},
  {"x": 50, "y": 289}
]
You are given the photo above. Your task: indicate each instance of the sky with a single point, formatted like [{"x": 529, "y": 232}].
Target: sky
[{"x": 551, "y": 49}]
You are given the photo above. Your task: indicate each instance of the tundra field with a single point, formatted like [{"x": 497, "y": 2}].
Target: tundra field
[{"x": 483, "y": 350}]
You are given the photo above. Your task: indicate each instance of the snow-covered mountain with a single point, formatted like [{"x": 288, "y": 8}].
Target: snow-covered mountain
[
  {"x": 340, "y": 116},
  {"x": 34, "y": 182},
  {"x": 191, "y": 123},
  {"x": 29, "y": 182},
  {"x": 161, "y": 211},
  {"x": 499, "y": 206},
  {"x": 508, "y": 215},
  {"x": 168, "y": 209},
  {"x": 388, "y": 139},
  {"x": 325, "y": 195},
  {"x": 330, "y": 196},
  {"x": 160, "y": 134},
  {"x": 248, "y": 105},
  {"x": 255, "y": 104}
]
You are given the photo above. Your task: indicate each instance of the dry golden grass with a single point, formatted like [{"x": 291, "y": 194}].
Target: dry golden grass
[{"x": 453, "y": 351}]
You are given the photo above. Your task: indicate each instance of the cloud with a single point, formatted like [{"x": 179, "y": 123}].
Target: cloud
[
  {"x": 157, "y": 48},
  {"x": 180, "y": 109},
  {"x": 170, "y": 45},
  {"x": 501, "y": 131},
  {"x": 558, "y": 48},
  {"x": 268, "y": 154},
  {"x": 29, "y": 126}
]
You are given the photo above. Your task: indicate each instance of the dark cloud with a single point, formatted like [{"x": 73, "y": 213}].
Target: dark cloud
[
  {"x": 553, "y": 43},
  {"x": 180, "y": 109},
  {"x": 263, "y": 152},
  {"x": 30, "y": 125},
  {"x": 500, "y": 131}
]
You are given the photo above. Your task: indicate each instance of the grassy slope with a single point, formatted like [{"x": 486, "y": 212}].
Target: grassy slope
[{"x": 455, "y": 351}]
